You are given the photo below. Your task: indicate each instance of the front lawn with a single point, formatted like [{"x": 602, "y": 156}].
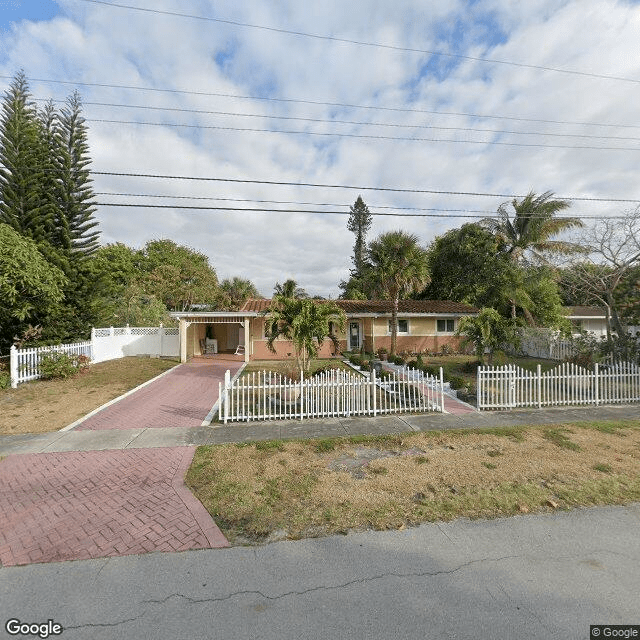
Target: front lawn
[
  {"x": 49, "y": 405},
  {"x": 289, "y": 367},
  {"x": 270, "y": 490}
]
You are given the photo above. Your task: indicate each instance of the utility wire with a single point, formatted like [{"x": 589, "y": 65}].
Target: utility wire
[
  {"x": 360, "y": 135},
  {"x": 353, "y": 122},
  {"x": 336, "y": 213},
  {"x": 364, "y": 43},
  {"x": 312, "y": 204},
  {"x": 320, "y": 103},
  {"x": 350, "y": 187}
]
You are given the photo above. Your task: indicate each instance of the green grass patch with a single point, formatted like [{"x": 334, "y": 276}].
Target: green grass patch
[
  {"x": 603, "y": 467},
  {"x": 557, "y": 436}
]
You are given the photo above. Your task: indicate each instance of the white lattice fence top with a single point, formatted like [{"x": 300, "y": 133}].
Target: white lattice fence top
[
  {"x": 145, "y": 331},
  {"x": 101, "y": 333},
  {"x": 171, "y": 331}
]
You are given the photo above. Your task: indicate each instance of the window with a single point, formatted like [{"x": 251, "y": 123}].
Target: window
[
  {"x": 446, "y": 325},
  {"x": 403, "y": 326}
]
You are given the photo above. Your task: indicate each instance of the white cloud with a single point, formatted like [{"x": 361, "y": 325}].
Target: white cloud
[{"x": 97, "y": 44}]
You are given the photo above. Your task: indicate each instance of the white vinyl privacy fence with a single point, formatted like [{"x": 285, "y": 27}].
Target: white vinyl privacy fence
[
  {"x": 105, "y": 344},
  {"x": 509, "y": 386},
  {"x": 264, "y": 395}
]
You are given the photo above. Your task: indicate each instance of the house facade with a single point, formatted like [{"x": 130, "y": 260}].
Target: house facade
[{"x": 423, "y": 325}]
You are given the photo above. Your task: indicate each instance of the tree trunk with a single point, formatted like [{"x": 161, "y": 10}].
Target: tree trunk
[{"x": 394, "y": 325}]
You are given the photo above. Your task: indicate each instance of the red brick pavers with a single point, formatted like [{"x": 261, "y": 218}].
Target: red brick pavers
[
  {"x": 181, "y": 398},
  {"x": 93, "y": 504}
]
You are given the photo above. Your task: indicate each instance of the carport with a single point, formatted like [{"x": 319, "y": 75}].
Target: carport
[{"x": 230, "y": 329}]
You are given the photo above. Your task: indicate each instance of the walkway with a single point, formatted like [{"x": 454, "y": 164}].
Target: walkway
[
  {"x": 180, "y": 399},
  {"x": 80, "y": 505}
]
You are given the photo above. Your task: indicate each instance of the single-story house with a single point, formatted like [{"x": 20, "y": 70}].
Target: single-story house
[
  {"x": 593, "y": 320},
  {"x": 422, "y": 325}
]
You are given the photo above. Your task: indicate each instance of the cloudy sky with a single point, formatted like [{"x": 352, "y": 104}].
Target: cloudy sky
[{"x": 370, "y": 95}]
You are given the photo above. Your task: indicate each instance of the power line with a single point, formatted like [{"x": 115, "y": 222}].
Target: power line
[
  {"x": 340, "y": 121},
  {"x": 336, "y": 213},
  {"x": 350, "y": 187},
  {"x": 361, "y": 135},
  {"x": 313, "y": 204},
  {"x": 364, "y": 43},
  {"x": 320, "y": 103}
]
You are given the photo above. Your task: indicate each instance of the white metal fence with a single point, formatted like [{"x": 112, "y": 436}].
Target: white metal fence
[
  {"x": 25, "y": 363},
  {"x": 264, "y": 395},
  {"x": 509, "y": 386},
  {"x": 105, "y": 344}
]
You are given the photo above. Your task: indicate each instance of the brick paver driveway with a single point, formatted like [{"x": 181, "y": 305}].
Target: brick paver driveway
[
  {"x": 181, "y": 398},
  {"x": 92, "y": 504}
]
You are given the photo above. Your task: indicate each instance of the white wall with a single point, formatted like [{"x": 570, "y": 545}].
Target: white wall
[{"x": 111, "y": 343}]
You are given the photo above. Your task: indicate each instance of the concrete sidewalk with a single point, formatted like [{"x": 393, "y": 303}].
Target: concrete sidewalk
[{"x": 218, "y": 433}]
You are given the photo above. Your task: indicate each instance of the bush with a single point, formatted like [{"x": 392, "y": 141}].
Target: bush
[
  {"x": 62, "y": 365},
  {"x": 355, "y": 360},
  {"x": 447, "y": 350},
  {"x": 456, "y": 382},
  {"x": 5, "y": 380},
  {"x": 399, "y": 360},
  {"x": 413, "y": 364},
  {"x": 431, "y": 370},
  {"x": 419, "y": 361},
  {"x": 471, "y": 366}
]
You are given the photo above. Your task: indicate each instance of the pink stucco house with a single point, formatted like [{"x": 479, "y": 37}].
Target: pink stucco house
[{"x": 422, "y": 325}]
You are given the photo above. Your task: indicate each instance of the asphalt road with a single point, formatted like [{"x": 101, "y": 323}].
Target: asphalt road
[{"x": 534, "y": 577}]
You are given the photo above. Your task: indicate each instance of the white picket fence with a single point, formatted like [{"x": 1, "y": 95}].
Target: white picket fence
[
  {"x": 25, "y": 363},
  {"x": 264, "y": 395},
  {"x": 106, "y": 344},
  {"x": 509, "y": 386},
  {"x": 547, "y": 347}
]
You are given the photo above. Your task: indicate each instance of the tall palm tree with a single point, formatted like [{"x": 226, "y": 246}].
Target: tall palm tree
[
  {"x": 532, "y": 227},
  {"x": 529, "y": 232},
  {"x": 399, "y": 266}
]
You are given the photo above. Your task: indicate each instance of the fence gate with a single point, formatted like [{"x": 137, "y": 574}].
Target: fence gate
[{"x": 497, "y": 387}]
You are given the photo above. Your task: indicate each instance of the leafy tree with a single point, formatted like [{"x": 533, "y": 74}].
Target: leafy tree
[
  {"x": 399, "y": 267},
  {"x": 289, "y": 289},
  {"x": 487, "y": 331},
  {"x": 236, "y": 292},
  {"x": 178, "y": 275},
  {"x": 29, "y": 285},
  {"x": 305, "y": 323}
]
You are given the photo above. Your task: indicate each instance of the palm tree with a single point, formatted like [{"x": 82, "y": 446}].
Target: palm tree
[
  {"x": 530, "y": 230},
  {"x": 290, "y": 289},
  {"x": 305, "y": 322},
  {"x": 532, "y": 227},
  {"x": 399, "y": 266},
  {"x": 237, "y": 291}
]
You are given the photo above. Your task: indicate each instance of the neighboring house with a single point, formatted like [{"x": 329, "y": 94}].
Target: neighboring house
[
  {"x": 592, "y": 320},
  {"x": 423, "y": 325}
]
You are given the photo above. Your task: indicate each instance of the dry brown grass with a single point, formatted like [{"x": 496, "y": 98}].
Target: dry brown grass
[
  {"x": 49, "y": 405},
  {"x": 295, "y": 489}
]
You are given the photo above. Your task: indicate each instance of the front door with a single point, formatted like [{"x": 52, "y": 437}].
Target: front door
[{"x": 354, "y": 336}]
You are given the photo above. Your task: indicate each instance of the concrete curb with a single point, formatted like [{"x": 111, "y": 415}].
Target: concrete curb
[
  {"x": 209, "y": 417},
  {"x": 78, "y": 422}
]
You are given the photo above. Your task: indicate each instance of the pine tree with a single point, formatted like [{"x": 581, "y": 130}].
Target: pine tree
[
  {"x": 76, "y": 193},
  {"x": 359, "y": 223},
  {"x": 22, "y": 154}
]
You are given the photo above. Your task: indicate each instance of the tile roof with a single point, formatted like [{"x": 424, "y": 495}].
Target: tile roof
[
  {"x": 584, "y": 312},
  {"x": 381, "y": 306}
]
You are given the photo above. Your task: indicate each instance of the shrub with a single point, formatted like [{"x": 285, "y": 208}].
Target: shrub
[
  {"x": 5, "y": 379},
  {"x": 355, "y": 360},
  {"x": 413, "y": 364},
  {"x": 419, "y": 361},
  {"x": 62, "y": 365},
  {"x": 447, "y": 350},
  {"x": 431, "y": 370},
  {"x": 471, "y": 366},
  {"x": 399, "y": 360},
  {"x": 456, "y": 382},
  {"x": 323, "y": 368}
]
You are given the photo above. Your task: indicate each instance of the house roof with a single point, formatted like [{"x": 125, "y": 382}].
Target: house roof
[
  {"x": 586, "y": 312},
  {"x": 373, "y": 307}
]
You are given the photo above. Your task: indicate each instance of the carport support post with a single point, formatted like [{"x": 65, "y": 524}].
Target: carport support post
[
  {"x": 183, "y": 340},
  {"x": 246, "y": 340}
]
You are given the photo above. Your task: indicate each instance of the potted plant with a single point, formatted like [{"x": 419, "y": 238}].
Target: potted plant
[{"x": 383, "y": 354}]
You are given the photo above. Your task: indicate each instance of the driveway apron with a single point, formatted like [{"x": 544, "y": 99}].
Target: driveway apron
[
  {"x": 181, "y": 398},
  {"x": 93, "y": 504}
]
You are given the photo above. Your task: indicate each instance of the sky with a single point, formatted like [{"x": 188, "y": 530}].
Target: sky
[{"x": 398, "y": 102}]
